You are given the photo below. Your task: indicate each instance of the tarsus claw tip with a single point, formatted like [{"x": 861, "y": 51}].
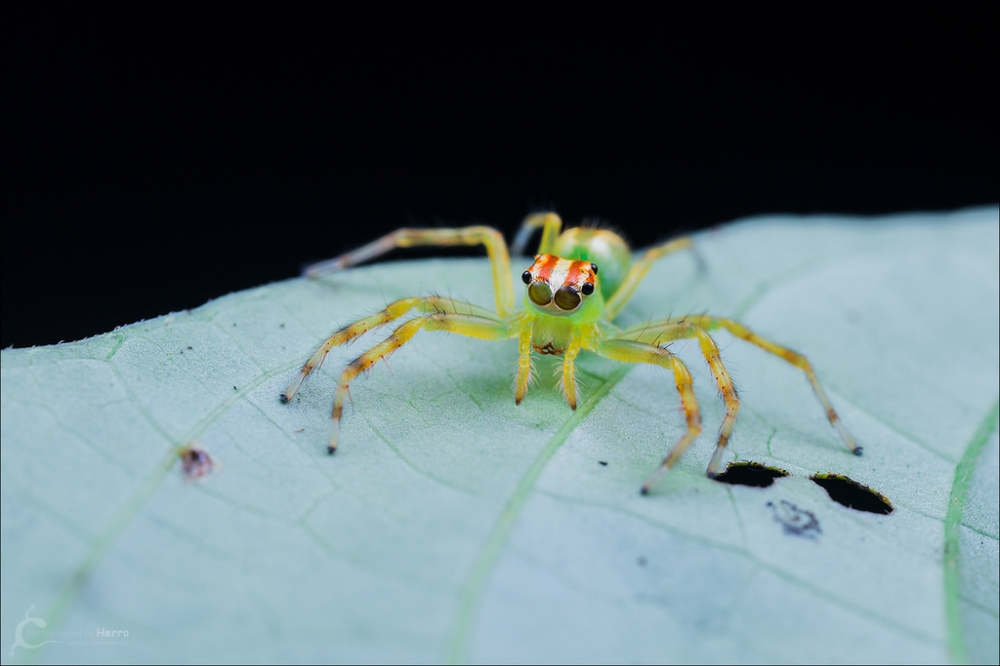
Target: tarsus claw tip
[
  {"x": 858, "y": 450},
  {"x": 283, "y": 398},
  {"x": 331, "y": 449}
]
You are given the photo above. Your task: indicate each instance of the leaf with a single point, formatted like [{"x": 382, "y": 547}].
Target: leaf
[{"x": 453, "y": 525}]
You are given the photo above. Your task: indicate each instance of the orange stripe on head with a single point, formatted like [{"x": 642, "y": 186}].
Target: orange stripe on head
[
  {"x": 544, "y": 265},
  {"x": 580, "y": 273},
  {"x": 558, "y": 286},
  {"x": 575, "y": 274},
  {"x": 562, "y": 272}
]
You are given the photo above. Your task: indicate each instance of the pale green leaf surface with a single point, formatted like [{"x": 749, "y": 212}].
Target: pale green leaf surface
[{"x": 453, "y": 525}]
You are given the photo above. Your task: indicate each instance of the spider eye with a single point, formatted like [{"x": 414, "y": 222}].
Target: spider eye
[
  {"x": 526, "y": 277},
  {"x": 587, "y": 288},
  {"x": 540, "y": 293},
  {"x": 567, "y": 298},
  {"x": 593, "y": 267}
]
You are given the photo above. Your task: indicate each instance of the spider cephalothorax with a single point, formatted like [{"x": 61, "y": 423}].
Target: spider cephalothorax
[
  {"x": 569, "y": 306},
  {"x": 559, "y": 286}
]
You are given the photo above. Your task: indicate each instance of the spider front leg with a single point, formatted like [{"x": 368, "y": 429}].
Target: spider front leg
[
  {"x": 394, "y": 311},
  {"x": 631, "y": 351},
  {"x": 472, "y": 326},
  {"x": 492, "y": 239}
]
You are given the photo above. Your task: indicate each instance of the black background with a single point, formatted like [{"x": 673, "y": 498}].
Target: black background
[{"x": 158, "y": 155}]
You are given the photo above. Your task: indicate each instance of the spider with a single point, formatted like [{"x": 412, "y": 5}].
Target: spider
[{"x": 577, "y": 284}]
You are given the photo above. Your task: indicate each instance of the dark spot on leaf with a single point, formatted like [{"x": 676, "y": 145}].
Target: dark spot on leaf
[
  {"x": 190, "y": 347},
  {"x": 795, "y": 521},
  {"x": 602, "y": 462},
  {"x": 642, "y": 561},
  {"x": 750, "y": 474},
  {"x": 852, "y": 494},
  {"x": 195, "y": 461}
]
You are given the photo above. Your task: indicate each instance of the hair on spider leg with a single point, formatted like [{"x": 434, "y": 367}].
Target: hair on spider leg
[
  {"x": 385, "y": 359},
  {"x": 532, "y": 372},
  {"x": 561, "y": 380},
  {"x": 454, "y": 305},
  {"x": 657, "y": 341},
  {"x": 649, "y": 322}
]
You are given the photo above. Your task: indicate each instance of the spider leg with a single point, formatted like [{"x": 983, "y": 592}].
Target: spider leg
[
  {"x": 551, "y": 226},
  {"x": 631, "y": 351},
  {"x": 624, "y": 293},
  {"x": 492, "y": 239},
  {"x": 569, "y": 369},
  {"x": 523, "y": 365},
  {"x": 710, "y": 323},
  {"x": 472, "y": 326},
  {"x": 395, "y": 310}
]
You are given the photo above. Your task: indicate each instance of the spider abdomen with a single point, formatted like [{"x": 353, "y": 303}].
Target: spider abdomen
[{"x": 603, "y": 247}]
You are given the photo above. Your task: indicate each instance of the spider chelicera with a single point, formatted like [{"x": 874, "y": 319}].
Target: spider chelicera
[{"x": 579, "y": 282}]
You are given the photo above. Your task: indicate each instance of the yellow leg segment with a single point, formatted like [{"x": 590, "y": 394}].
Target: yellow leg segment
[
  {"x": 569, "y": 370},
  {"x": 551, "y": 225},
  {"x": 523, "y": 365},
  {"x": 638, "y": 271},
  {"x": 463, "y": 324},
  {"x": 492, "y": 239},
  {"x": 631, "y": 351},
  {"x": 393, "y": 311}
]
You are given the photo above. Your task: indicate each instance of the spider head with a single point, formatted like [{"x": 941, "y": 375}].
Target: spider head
[{"x": 559, "y": 286}]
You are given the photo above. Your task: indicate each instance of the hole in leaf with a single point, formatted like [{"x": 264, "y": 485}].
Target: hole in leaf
[
  {"x": 755, "y": 475},
  {"x": 852, "y": 494}
]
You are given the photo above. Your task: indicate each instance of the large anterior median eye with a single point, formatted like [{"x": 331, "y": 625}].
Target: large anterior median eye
[
  {"x": 540, "y": 293},
  {"x": 567, "y": 298}
]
